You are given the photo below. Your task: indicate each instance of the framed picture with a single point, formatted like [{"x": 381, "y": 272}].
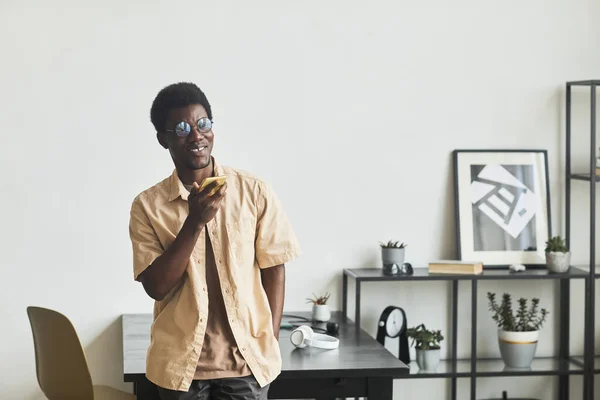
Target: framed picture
[{"x": 502, "y": 206}]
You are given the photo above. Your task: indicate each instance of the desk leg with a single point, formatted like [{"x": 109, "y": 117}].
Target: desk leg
[
  {"x": 145, "y": 390},
  {"x": 380, "y": 388}
]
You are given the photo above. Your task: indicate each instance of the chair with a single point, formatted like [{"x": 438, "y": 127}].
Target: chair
[{"x": 61, "y": 366}]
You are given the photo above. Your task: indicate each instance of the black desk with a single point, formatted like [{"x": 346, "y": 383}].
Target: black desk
[{"x": 360, "y": 367}]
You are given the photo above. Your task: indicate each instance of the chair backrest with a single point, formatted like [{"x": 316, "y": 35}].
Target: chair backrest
[{"x": 61, "y": 366}]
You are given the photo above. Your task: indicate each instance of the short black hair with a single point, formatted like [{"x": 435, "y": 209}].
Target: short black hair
[{"x": 177, "y": 95}]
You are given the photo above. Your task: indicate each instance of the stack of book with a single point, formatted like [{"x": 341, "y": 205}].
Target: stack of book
[{"x": 455, "y": 267}]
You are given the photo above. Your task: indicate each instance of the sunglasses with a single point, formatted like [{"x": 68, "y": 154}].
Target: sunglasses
[{"x": 183, "y": 129}]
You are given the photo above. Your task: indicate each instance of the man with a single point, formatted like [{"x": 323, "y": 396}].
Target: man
[{"x": 213, "y": 263}]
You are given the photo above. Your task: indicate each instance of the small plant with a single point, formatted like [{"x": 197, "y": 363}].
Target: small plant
[
  {"x": 556, "y": 244},
  {"x": 392, "y": 244},
  {"x": 525, "y": 320},
  {"x": 424, "y": 339},
  {"x": 321, "y": 300}
]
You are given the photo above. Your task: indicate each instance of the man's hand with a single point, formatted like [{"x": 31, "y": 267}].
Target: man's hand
[{"x": 202, "y": 207}]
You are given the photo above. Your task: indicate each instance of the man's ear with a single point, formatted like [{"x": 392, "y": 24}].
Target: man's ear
[{"x": 162, "y": 140}]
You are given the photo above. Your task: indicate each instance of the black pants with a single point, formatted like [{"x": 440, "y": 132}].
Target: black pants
[{"x": 242, "y": 388}]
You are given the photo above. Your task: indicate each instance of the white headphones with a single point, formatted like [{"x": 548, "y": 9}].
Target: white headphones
[{"x": 304, "y": 336}]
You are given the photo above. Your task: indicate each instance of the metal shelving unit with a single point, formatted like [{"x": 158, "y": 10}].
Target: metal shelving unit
[
  {"x": 563, "y": 366},
  {"x": 589, "y": 360}
]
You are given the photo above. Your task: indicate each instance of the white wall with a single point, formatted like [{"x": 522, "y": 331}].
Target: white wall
[{"x": 350, "y": 109}]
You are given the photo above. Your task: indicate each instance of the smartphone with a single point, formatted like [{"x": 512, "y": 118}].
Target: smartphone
[{"x": 207, "y": 181}]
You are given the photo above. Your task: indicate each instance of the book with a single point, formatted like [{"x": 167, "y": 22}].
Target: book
[{"x": 455, "y": 267}]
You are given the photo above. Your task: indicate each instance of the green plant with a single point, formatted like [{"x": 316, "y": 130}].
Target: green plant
[
  {"x": 392, "y": 244},
  {"x": 321, "y": 300},
  {"x": 556, "y": 244},
  {"x": 424, "y": 339},
  {"x": 525, "y": 320}
]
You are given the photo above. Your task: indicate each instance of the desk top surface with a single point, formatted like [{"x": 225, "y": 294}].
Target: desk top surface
[{"x": 358, "y": 353}]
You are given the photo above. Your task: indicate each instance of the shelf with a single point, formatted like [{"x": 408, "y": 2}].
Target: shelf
[
  {"x": 422, "y": 274},
  {"x": 496, "y": 367},
  {"x": 539, "y": 366},
  {"x": 572, "y": 273},
  {"x": 584, "y": 83},
  {"x": 444, "y": 370},
  {"x": 579, "y": 360},
  {"x": 586, "y": 269},
  {"x": 419, "y": 274},
  {"x": 584, "y": 177}
]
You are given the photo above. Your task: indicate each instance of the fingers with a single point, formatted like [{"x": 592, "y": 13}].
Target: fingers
[
  {"x": 221, "y": 191},
  {"x": 215, "y": 191},
  {"x": 195, "y": 189},
  {"x": 205, "y": 192},
  {"x": 206, "y": 196}
]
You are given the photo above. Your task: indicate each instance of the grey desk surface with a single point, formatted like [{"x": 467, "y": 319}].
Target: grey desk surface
[{"x": 359, "y": 354}]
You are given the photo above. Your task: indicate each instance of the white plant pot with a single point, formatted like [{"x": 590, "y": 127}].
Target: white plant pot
[
  {"x": 518, "y": 348},
  {"x": 428, "y": 360},
  {"x": 558, "y": 261},
  {"x": 321, "y": 312}
]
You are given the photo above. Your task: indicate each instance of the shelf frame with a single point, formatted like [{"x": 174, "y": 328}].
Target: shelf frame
[
  {"x": 593, "y": 179},
  {"x": 370, "y": 275}
]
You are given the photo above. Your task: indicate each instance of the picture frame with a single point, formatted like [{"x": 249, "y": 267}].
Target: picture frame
[{"x": 502, "y": 202}]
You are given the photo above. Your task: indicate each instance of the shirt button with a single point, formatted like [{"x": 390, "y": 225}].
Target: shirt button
[
  {"x": 201, "y": 320},
  {"x": 204, "y": 289}
]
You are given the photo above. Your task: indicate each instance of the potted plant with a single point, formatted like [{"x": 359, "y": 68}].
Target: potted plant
[
  {"x": 517, "y": 333},
  {"x": 392, "y": 256},
  {"x": 320, "y": 310},
  {"x": 558, "y": 257},
  {"x": 427, "y": 346}
]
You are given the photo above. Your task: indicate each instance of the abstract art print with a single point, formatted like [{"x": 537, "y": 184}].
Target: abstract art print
[{"x": 503, "y": 206}]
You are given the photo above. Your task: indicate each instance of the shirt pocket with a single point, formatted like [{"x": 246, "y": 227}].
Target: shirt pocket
[{"x": 241, "y": 233}]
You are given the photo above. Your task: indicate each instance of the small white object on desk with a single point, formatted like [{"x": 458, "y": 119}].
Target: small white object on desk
[{"x": 517, "y": 267}]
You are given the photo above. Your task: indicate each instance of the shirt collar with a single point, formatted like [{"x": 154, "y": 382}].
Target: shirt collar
[{"x": 176, "y": 188}]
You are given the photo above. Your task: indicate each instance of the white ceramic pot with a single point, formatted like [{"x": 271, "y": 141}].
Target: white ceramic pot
[
  {"x": 558, "y": 261},
  {"x": 518, "y": 348},
  {"x": 321, "y": 312},
  {"x": 428, "y": 360}
]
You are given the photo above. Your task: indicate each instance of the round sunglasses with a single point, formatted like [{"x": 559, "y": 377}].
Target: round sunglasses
[{"x": 183, "y": 129}]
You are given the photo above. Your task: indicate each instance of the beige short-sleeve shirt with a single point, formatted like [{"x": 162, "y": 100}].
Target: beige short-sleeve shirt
[{"x": 251, "y": 231}]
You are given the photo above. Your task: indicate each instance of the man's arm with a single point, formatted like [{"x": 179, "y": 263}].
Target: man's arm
[
  {"x": 164, "y": 273},
  {"x": 160, "y": 277},
  {"x": 273, "y": 281}
]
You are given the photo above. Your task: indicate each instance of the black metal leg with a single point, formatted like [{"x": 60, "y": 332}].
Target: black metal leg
[
  {"x": 454, "y": 335},
  {"x": 565, "y": 284},
  {"x": 563, "y": 351},
  {"x": 380, "y": 388},
  {"x": 592, "y": 286},
  {"x": 587, "y": 368},
  {"x": 473, "y": 338},
  {"x": 568, "y": 167},
  {"x": 345, "y": 295},
  {"x": 357, "y": 306},
  {"x": 145, "y": 390}
]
